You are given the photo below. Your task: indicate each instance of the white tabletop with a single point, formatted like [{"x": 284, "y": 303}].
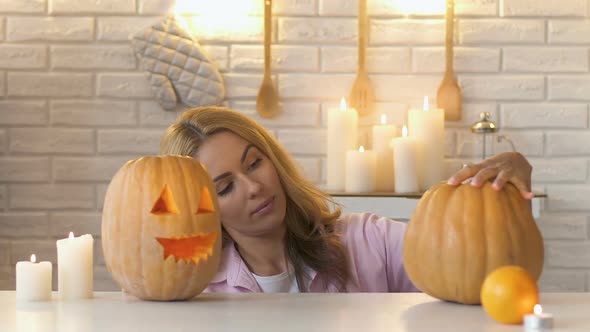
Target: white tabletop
[{"x": 276, "y": 312}]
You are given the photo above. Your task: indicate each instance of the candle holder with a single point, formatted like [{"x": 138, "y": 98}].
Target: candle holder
[{"x": 485, "y": 126}]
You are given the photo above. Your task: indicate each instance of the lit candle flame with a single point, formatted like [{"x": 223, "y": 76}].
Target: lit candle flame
[
  {"x": 426, "y": 103},
  {"x": 343, "y": 104},
  {"x": 383, "y": 119},
  {"x": 33, "y": 258},
  {"x": 362, "y": 149},
  {"x": 405, "y": 131},
  {"x": 71, "y": 236},
  {"x": 538, "y": 309}
]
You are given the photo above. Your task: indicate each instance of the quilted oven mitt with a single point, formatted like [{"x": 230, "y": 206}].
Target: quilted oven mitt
[{"x": 177, "y": 66}]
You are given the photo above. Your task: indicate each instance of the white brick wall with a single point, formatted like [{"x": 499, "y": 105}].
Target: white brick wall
[
  {"x": 49, "y": 28},
  {"x": 24, "y": 6},
  {"x": 468, "y": 59},
  {"x": 75, "y": 103},
  {"x": 92, "y": 57},
  {"x": 501, "y": 31},
  {"x": 569, "y": 31},
  {"x": 545, "y": 8},
  {"x": 91, "y": 6}
]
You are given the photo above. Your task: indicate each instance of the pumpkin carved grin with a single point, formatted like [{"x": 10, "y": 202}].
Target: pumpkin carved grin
[{"x": 190, "y": 248}]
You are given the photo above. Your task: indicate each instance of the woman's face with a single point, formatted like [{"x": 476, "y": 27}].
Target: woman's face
[{"x": 251, "y": 199}]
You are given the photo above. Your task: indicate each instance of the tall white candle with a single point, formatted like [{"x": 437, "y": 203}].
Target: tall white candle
[
  {"x": 33, "y": 280},
  {"x": 404, "y": 160},
  {"x": 75, "y": 267},
  {"x": 382, "y": 135},
  {"x": 428, "y": 127},
  {"x": 342, "y": 136},
  {"x": 360, "y": 171}
]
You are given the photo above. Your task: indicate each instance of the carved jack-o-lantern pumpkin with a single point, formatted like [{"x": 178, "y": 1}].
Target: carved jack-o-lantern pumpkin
[{"x": 161, "y": 233}]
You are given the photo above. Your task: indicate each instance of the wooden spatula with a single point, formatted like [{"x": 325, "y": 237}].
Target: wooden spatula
[
  {"x": 267, "y": 102},
  {"x": 448, "y": 96},
  {"x": 362, "y": 96}
]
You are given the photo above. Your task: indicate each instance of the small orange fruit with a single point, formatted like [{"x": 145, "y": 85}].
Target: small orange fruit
[{"x": 508, "y": 293}]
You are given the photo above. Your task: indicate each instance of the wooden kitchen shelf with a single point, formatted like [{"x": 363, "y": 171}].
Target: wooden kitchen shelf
[{"x": 394, "y": 194}]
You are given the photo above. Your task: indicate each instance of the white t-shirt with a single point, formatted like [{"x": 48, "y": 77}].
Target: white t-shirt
[{"x": 279, "y": 283}]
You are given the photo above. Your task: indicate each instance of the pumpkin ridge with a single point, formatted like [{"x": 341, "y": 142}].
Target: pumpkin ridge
[
  {"x": 134, "y": 170},
  {"x": 515, "y": 231},
  {"x": 149, "y": 177},
  {"x": 439, "y": 241},
  {"x": 174, "y": 166},
  {"x": 190, "y": 168},
  {"x": 447, "y": 221},
  {"x": 419, "y": 238},
  {"x": 487, "y": 244},
  {"x": 529, "y": 226},
  {"x": 463, "y": 221}
]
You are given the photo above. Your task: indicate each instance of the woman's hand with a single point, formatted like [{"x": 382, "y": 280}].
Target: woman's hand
[{"x": 504, "y": 167}]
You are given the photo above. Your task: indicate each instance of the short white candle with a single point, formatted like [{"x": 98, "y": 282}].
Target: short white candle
[
  {"x": 75, "y": 267},
  {"x": 33, "y": 280},
  {"x": 360, "y": 171},
  {"x": 382, "y": 135},
  {"x": 404, "y": 160},
  {"x": 342, "y": 132},
  {"x": 538, "y": 321},
  {"x": 427, "y": 126}
]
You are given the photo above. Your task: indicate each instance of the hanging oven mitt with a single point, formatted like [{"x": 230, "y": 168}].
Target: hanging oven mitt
[{"x": 177, "y": 67}]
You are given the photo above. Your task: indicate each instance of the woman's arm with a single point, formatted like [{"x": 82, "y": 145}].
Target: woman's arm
[{"x": 505, "y": 167}]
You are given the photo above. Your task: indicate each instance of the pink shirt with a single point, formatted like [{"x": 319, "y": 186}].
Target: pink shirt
[{"x": 374, "y": 248}]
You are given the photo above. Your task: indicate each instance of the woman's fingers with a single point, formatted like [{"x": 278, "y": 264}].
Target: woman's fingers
[
  {"x": 468, "y": 170},
  {"x": 503, "y": 178},
  {"x": 501, "y": 169},
  {"x": 484, "y": 175}
]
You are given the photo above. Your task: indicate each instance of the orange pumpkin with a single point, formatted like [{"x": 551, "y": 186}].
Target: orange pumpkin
[
  {"x": 161, "y": 233},
  {"x": 459, "y": 234}
]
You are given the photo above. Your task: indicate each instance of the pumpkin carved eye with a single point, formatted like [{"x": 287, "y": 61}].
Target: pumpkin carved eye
[
  {"x": 165, "y": 203},
  {"x": 206, "y": 203}
]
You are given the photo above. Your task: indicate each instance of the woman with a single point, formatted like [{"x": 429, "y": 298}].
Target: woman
[{"x": 280, "y": 234}]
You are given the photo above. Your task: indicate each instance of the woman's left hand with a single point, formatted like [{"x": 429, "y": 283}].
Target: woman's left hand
[{"x": 505, "y": 167}]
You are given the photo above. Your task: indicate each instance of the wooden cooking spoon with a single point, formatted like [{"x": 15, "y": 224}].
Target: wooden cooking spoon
[
  {"x": 267, "y": 102},
  {"x": 448, "y": 96},
  {"x": 361, "y": 95}
]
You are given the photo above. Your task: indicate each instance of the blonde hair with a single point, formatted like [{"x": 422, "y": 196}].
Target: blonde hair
[{"x": 311, "y": 238}]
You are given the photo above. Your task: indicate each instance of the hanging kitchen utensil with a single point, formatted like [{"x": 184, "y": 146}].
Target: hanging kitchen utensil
[
  {"x": 267, "y": 102},
  {"x": 448, "y": 96},
  {"x": 362, "y": 96}
]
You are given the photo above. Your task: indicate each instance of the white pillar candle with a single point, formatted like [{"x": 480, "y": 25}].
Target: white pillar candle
[
  {"x": 428, "y": 127},
  {"x": 360, "y": 171},
  {"x": 33, "y": 280},
  {"x": 382, "y": 135},
  {"x": 75, "y": 267},
  {"x": 342, "y": 136},
  {"x": 404, "y": 161}
]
